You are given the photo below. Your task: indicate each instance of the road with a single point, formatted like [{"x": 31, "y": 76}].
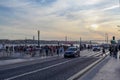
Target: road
[{"x": 53, "y": 69}]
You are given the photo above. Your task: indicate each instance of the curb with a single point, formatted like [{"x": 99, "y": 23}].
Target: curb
[
  {"x": 24, "y": 63},
  {"x": 82, "y": 72}
]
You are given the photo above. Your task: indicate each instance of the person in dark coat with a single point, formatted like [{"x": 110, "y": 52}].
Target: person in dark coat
[
  {"x": 115, "y": 51},
  {"x": 46, "y": 50},
  {"x": 110, "y": 50},
  {"x": 103, "y": 50}
]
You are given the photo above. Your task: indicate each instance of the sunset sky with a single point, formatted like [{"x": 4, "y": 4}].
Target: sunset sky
[{"x": 89, "y": 19}]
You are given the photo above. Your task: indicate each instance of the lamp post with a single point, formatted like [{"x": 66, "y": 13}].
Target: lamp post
[
  {"x": 38, "y": 38},
  {"x": 65, "y": 39},
  {"x": 34, "y": 40},
  {"x": 80, "y": 44},
  {"x": 106, "y": 38}
]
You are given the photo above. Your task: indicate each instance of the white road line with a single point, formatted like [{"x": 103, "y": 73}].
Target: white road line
[
  {"x": 77, "y": 75},
  {"x": 93, "y": 54},
  {"x": 74, "y": 77},
  {"x": 89, "y": 54},
  {"x": 17, "y": 76}
]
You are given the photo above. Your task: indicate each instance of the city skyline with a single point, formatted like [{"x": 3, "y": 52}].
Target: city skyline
[{"x": 90, "y": 19}]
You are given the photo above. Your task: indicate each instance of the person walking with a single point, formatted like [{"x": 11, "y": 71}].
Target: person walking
[
  {"x": 103, "y": 51},
  {"x": 58, "y": 52},
  {"x": 46, "y": 50},
  {"x": 115, "y": 52},
  {"x": 61, "y": 50},
  {"x": 110, "y": 50}
]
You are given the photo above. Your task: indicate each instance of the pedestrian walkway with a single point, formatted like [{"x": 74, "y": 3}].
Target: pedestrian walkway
[
  {"x": 19, "y": 60},
  {"x": 109, "y": 69},
  {"x": 7, "y": 58}
]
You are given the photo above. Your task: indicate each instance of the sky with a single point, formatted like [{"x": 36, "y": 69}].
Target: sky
[{"x": 88, "y": 19}]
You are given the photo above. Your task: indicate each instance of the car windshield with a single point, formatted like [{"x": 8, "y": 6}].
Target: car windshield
[{"x": 72, "y": 49}]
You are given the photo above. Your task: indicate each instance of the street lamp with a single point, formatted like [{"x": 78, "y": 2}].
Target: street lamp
[
  {"x": 80, "y": 44},
  {"x": 38, "y": 38},
  {"x": 106, "y": 38}
]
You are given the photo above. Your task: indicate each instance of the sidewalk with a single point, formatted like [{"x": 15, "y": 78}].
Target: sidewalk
[
  {"x": 109, "y": 69},
  {"x": 19, "y": 60}
]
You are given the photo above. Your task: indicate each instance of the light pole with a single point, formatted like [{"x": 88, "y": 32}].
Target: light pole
[
  {"x": 66, "y": 39},
  {"x": 33, "y": 40},
  {"x": 38, "y": 38},
  {"x": 80, "y": 44},
  {"x": 106, "y": 38}
]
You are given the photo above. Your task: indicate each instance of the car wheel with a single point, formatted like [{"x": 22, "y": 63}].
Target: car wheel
[
  {"x": 65, "y": 56},
  {"x": 78, "y": 55}
]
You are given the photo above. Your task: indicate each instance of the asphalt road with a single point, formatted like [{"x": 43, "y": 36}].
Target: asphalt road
[
  {"x": 53, "y": 69},
  {"x": 59, "y": 69}
]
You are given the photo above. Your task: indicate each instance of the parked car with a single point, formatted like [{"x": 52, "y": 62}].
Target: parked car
[
  {"x": 72, "y": 52},
  {"x": 96, "y": 48}
]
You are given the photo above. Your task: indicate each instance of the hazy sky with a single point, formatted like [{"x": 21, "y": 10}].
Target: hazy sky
[{"x": 89, "y": 19}]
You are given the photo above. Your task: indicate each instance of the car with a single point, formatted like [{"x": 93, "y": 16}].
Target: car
[
  {"x": 96, "y": 48},
  {"x": 72, "y": 52}
]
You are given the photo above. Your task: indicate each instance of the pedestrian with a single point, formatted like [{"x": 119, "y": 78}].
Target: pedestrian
[
  {"x": 115, "y": 52},
  {"x": 51, "y": 50},
  {"x": 110, "y": 50},
  {"x": 46, "y": 50},
  {"x": 61, "y": 50},
  {"x": 119, "y": 47},
  {"x": 103, "y": 51},
  {"x": 58, "y": 50}
]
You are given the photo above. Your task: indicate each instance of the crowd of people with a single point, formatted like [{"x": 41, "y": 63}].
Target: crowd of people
[
  {"x": 47, "y": 50},
  {"x": 33, "y": 50},
  {"x": 53, "y": 50},
  {"x": 114, "y": 50}
]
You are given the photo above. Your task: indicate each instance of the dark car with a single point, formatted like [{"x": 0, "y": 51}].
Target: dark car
[
  {"x": 96, "y": 48},
  {"x": 72, "y": 52}
]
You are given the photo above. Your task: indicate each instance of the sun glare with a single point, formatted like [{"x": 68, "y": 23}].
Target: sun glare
[{"x": 94, "y": 26}]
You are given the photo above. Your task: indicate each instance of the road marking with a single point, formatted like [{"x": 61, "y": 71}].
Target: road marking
[
  {"x": 92, "y": 54},
  {"x": 77, "y": 75},
  {"x": 34, "y": 62},
  {"x": 38, "y": 70}
]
